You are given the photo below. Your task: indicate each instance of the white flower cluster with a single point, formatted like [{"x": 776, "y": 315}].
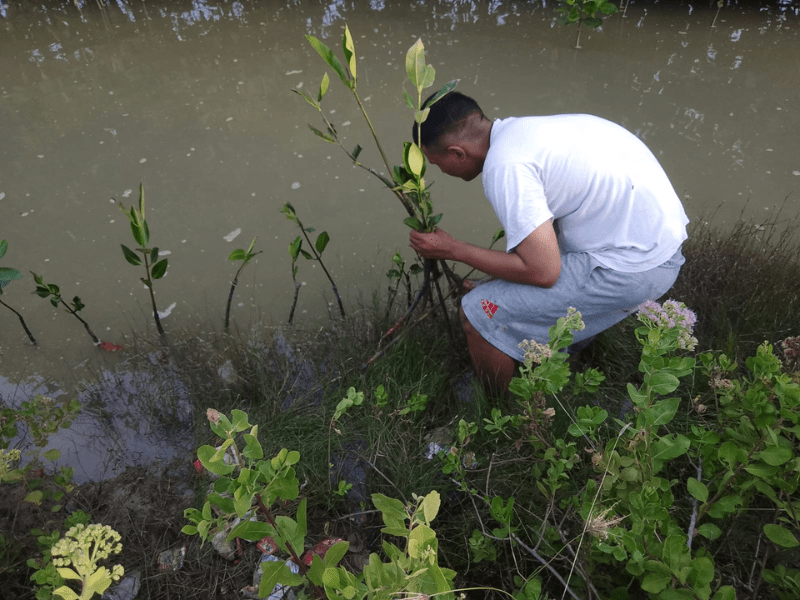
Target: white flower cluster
[
  {"x": 83, "y": 546},
  {"x": 535, "y": 352}
]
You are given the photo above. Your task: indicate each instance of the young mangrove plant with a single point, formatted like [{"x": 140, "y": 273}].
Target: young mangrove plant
[
  {"x": 46, "y": 290},
  {"x": 317, "y": 248},
  {"x": 252, "y": 490},
  {"x": 153, "y": 267},
  {"x": 407, "y": 181},
  {"x": 7, "y": 275},
  {"x": 586, "y": 13},
  {"x": 245, "y": 256}
]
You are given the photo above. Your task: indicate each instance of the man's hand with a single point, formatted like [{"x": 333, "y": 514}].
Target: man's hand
[
  {"x": 437, "y": 245},
  {"x": 535, "y": 261}
]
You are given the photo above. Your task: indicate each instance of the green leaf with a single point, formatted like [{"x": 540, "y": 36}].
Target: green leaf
[
  {"x": 500, "y": 233},
  {"x": 413, "y": 222},
  {"x": 294, "y": 248},
  {"x": 356, "y": 151},
  {"x": 445, "y": 89},
  {"x": 7, "y": 275},
  {"x": 349, "y": 52},
  {"x": 415, "y": 160},
  {"x": 130, "y": 256},
  {"x": 159, "y": 269},
  {"x": 238, "y": 255},
  {"x": 307, "y": 98},
  {"x": 319, "y": 134},
  {"x": 153, "y": 256},
  {"x": 65, "y": 593},
  {"x": 322, "y": 241},
  {"x": 430, "y": 506},
  {"x": 662, "y": 412},
  {"x": 415, "y": 64},
  {"x": 323, "y": 86},
  {"x": 252, "y": 530},
  {"x": 138, "y": 234},
  {"x": 421, "y": 115},
  {"x": 329, "y": 57},
  {"x": 663, "y": 383},
  {"x": 429, "y": 77},
  {"x": 52, "y": 454},
  {"x": 206, "y": 454},
  {"x": 780, "y": 536},
  {"x": 709, "y": 530},
  {"x": 335, "y": 553},
  {"x": 697, "y": 489},
  {"x": 776, "y": 455},
  {"x": 3, "y": 247}
]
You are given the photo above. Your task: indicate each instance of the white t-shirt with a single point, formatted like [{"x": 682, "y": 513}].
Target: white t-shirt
[{"x": 606, "y": 192}]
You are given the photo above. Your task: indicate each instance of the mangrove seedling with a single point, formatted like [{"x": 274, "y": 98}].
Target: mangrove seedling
[
  {"x": 402, "y": 275},
  {"x": 7, "y": 275},
  {"x": 46, "y": 290},
  {"x": 245, "y": 256},
  {"x": 586, "y": 13},
  {"x": 153, "y": 267},
  {"x": 407, "y": 181},
  {"x": 317, "y": 248}
]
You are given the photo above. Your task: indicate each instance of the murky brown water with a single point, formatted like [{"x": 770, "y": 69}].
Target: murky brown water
[{"x": 193, "y": 99}]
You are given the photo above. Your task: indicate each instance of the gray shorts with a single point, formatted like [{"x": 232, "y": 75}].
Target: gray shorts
[{"x": 506, "y": 313}]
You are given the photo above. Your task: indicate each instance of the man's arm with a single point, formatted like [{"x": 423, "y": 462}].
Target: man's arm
[{"x": 535, "y": 261}]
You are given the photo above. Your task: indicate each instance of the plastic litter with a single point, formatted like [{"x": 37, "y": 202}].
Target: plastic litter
[
  {"x": 125, "y": 589},
  {"x": 226, "y": 549},
  {"x": 171, "y": 560},
  {"x": 279, "y": 592}
]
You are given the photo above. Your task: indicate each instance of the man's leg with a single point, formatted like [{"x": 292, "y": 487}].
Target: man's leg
[{"x": 493, "y": 366}]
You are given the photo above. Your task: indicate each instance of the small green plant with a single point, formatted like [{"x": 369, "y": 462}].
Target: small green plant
[
  {"x": 586, "y": 13},
  {"x": 317, "y": 248},
  {"x": 77, "y": 555},
  {"x": 245, "y": 256},
  {"x": 46, "y": 576},
  {"x": 249, "y": 484},
  {"x": 154, "y": 267},
  {"x": 7, "y": 275},
  {"x": 52, "y": 291},
  {"x": 401, "y": 275}
]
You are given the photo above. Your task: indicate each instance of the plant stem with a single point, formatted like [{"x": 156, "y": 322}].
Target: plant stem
[
  {"x": 85, "y": 324},
  {"x": 230, "y": 296},
  {"x": 22, "y": 321},
  {"x": 148, "y": 282},
  {"x": 294, "y": 302},
  {"x": 322, "y": 264}
]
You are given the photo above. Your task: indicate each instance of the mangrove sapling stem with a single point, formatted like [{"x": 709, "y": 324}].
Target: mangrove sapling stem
[
  {"x": 22, "y": 321},
  {"x": 149, "y": 285},
  {"x": 235, "y": 282},
  {"x": 318, "y": 258},
  {"x": 693, "y": 518},
  {"x": 294, "y": 301},
  {"x": 85, "y": 324}
]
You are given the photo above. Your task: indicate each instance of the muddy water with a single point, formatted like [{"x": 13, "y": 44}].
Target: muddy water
[{"x": 193, "y": 99}]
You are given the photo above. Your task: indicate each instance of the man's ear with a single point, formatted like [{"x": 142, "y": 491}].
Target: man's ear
[{"x": 456, "y": 151}]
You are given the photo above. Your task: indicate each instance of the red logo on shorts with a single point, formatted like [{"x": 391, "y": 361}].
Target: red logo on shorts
[{"x": 489, "y": 308}]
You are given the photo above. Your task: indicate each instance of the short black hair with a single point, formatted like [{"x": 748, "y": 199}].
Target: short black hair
[{"x": 448, "y": 114}]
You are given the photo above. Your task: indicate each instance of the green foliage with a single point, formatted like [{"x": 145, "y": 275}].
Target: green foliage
[
  {"x": 77, "y": 555},
  {"x": 317, "y": 248},
  {"x": 667, "y": 482},
  {"x": 407, "y": 182},
  {"x": 46, "y": 290},
  {"x": 154, "y": 267},
  {"x": 245, "y": 256},
  {"x": 7, "y": 274},
  {"x": 399, "y": 274},
  {"x": 587, "y": 13},
  {"x": 249, "y": 485}
]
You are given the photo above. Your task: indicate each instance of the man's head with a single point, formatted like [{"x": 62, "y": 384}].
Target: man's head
[{"x": 455, "y": 136}]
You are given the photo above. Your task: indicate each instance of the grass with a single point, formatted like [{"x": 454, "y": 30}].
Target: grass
[{"x": 743, "y": 285}]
